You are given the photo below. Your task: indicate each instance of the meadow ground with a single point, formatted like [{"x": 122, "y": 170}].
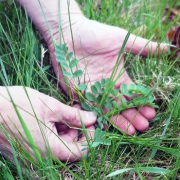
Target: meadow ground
[{"x": 154, "y": 154}]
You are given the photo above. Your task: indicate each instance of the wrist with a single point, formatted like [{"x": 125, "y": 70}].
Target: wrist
[{"x": 46, "y": 13}]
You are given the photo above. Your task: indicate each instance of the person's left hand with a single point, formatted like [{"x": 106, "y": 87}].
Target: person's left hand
[{"x": 51, "y": 124}]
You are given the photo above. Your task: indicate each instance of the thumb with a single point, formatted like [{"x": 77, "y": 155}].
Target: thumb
[
  {"x": 70, "y": 151},
  {"x": 137, "y": 44},
  {"x": 58, "y": 112}
]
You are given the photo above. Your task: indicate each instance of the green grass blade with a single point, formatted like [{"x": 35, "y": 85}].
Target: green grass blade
[
  {"x": 15, "y": 159},
  {"x": 27, "y": 132}
]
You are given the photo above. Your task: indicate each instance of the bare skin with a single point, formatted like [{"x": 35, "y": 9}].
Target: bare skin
[{"x": 101, "y": 44}]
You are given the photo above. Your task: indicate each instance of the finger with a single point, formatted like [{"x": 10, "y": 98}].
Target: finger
[
  {"x": 77, "y": 106},
  {"x": 70, "y": 136},
  {"x": 148, "y": 112},
  {"x": 136, "y": 119},
  {"x": 134, "y": 95},
  {"x": 64, "y": 150},
  {"x": 60, "y": 113},
  {"x": 116, "y": 37},
  {"x": 123, "y": 124},
  {"x": 137, "y": 44},
  {"x": 90, "y": 132},
  {"x": 118, "y": 100}
]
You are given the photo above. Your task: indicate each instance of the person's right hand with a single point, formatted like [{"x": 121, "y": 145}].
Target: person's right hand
[{"x": 58, "y": 123}]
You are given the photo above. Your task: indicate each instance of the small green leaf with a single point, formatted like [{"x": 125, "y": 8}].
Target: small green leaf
[
  {"x": 138, "y": 89},
  {"x": 78, "y": 73},
  {"x": 108, "y": 105},
  {"x": 125, "y": 91},
  {"x": 86, "y": 106},
  {"x": 124, "y": 103},
  {"x": 89, "y": 96},
  {"x": 123, "y": 88},
  {"x": 132, "y": 88},
  {"x": 137, "y": 101},
  {"x": 69, "y": 56},
  {"x": 129, "y": 94},
  {"x": 102, "y": 90},
  {"x": 95, "y": 144},
  {"x": 106, "y": 142},
  {"x": 98, "y": 85},
  {"x": 98, "y": 99},
  {"x": 85, "y": 149},
  {"x": 60, "y": 58},
  {"x": 99, "y": 119},
  {"x": 64, "y": 47},
  {"x": 67, "y": 74},
  {"x": 100, "y": 125},
  {"x": 64, "y": 64},
  {"x": 82, "y": 87},
  {"x": 73, "y": 63},
  {"x": 96, "y": 110},
  {"x": 94, "y": 89},
  {"x": 115, "y": 104},
  {"x": 154, "y": 105},
  {"x": 114, "y": 92},
  {"x": 151, "y": 98},
  {"x": 103, "y": 81},
  {"x": 99, "y": 134},
  {"x": 59, "y": 49},
  {"x": 147, "y": 91}
]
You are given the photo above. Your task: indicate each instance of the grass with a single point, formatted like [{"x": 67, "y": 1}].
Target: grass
[{"x": 22, "y": 64}]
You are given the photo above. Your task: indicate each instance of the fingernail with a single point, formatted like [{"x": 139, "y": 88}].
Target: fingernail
[{"x": 91, "y": 116}]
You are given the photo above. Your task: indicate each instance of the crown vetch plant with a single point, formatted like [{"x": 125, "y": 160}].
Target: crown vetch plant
[{"x": 102, "y": 92}]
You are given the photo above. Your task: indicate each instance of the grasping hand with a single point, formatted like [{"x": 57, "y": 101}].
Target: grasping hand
[
  {"x": 98, "y": 46},
  {"x": 58, "y": 122}
]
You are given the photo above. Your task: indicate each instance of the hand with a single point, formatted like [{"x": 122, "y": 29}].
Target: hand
[
  {"x": 98, "y": 46},
  {"x": 58, "y": 122}
]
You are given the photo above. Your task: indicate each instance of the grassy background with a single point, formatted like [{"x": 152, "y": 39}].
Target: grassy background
[{"x": 22, "y": 63}]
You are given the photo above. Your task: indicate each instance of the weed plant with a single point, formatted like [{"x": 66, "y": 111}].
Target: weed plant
[{"x": 154, "y": 154}]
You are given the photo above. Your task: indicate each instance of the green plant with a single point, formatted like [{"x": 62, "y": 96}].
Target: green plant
[{"x": 101, "y": 91}]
